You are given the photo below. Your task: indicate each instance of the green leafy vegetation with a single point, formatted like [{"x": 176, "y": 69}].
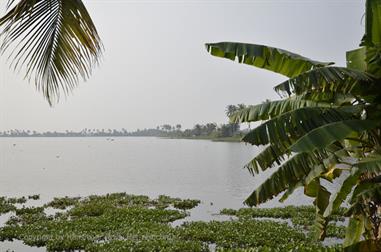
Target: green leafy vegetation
[
  {"x": 6, "y": 206},
  {"x": 62, "y": 203},
  {"x": 327, "y": 125},
  {"x": 20, "y": 200},
  {"x": 301, "y": 217},
  {"x": 164, "y": 201},
  {"x": 123, "y": 222}
]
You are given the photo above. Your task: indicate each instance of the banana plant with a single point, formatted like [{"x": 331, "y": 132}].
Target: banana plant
[
  {"x": 54, "y": 41},
  {"x": 326, "y": 125}
]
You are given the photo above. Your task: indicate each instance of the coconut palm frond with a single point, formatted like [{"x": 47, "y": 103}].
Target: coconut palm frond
[{"x": 54, "y": 40}]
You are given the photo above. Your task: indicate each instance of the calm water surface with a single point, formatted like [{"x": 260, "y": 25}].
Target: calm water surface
[{"x": 200, "y": 169}]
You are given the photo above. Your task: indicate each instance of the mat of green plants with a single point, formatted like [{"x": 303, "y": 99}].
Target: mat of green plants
[{"x": 123, "y": 222}]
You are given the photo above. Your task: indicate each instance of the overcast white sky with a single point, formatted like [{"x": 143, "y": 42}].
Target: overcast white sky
[{"x": 156, "y": 70}]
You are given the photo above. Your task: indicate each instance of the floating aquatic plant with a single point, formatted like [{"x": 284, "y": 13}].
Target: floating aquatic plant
[{"x": 124, "y": 222}]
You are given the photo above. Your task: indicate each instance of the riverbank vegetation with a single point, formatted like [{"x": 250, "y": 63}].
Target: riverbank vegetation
[
  {"x": 209, "y": 131},
  {"x": 123, "y": 222}
]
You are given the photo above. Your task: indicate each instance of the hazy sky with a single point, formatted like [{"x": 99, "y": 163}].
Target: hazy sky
[{"x": 156, "y": 70}]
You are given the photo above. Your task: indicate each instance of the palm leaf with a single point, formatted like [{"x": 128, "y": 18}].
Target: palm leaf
[
  {"x": 331, "y": 79},
  {"x": 342, "y": 193},
  {"x": 354, "y": 230},
  {"x": 327, "y": 97},
  {"x": 270, "y": 58},
  {"x": 289, "y": 174},
  {"x": 327, "y": 165},
  {"x": 362, "y": 194},
  {"x": 327, "y": 134},
  {"x": 370, "y": 164},
  {"x": 271, "y": 109},
  {"x": 55, "y": 40},
  {"x": 373, "y": 192},
  {"x": 272, "y": 155},
  {"x": 365, "y": 59},
  {"x": 373, "y": 63},
  {"x": 321, "y": 194},
  {"x": 284, "y": 129},
  {"x": 372, "y": 35},
  {"x": 367, "y": 189},
  {"x": 356, "y": 59},
  {"x": 275, "y": 154}
]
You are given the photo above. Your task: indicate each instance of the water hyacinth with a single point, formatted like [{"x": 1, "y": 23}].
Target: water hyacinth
[{"x": 123, "y": 222}]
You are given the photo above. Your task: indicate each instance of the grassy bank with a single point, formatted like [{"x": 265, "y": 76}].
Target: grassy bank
[{"x": 122, "y": 222}]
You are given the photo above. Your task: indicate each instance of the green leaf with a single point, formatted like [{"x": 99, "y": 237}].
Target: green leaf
[
  {"x": 342, "y": 193},
  {"x": 320, "y": 227},
  {"x": 321, "y": 202},
  {"x": 270, "y": 58},
  {"x": 366, "y": 191},
  {"x": 360, "y": 189},
  {"x": 319, "y": 170},
  {"x": 372, "y": 35},
  {"x": 354, "y": 230},
  {"x": 370, "y": 164},
  {"x": 284, "y": 129},
  {"x": 288, "y": 174},
  {"x": 373, "y": 61},
  {"x": 327, "y": 79},
  {"x": 367, "y": 245},
  {"x": 366, "y": 59},
  {"x": 361, "y": 196},
  {"x": 356, "y": 59},
  {"x": 327, "y": 97},
  {"x": 327, "y": 134},
  {"x": 321, "y": 194},
  {"x": 272, "y": 109},
  {"x": 56, "y": 41},
  {"x": 272, "y": 155}
]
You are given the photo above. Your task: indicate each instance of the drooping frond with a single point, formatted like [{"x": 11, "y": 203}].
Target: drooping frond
[
  {"x": 290, "y": 173},
  {"x": 354, "y": 230},
  {"x": 269, "y": 58},
  {"x": 342, "y": 193},
  {"x": 325, "y": 135},
  {"x": 55, "y": 40},
  {"x": 289, "y": 126},
  {"x": 370, "y": 165},
  {"x": 272, "y": 109},
  {"x": 272, "y": 155},
  {"x": 362, "y": 196},
  {"x": 275, "y": 154},
  {"x": 321, "y": 200},
  {"x": 327, "y": 79},
  {"x": 327, "y": 97},
  {"x": 326, "y": 169}
]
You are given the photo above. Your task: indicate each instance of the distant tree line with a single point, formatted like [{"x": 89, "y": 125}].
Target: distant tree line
[{"x": 165, "y": 130}]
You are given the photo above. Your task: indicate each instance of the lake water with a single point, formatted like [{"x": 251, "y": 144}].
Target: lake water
[{"x": 199, "y": 169}]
